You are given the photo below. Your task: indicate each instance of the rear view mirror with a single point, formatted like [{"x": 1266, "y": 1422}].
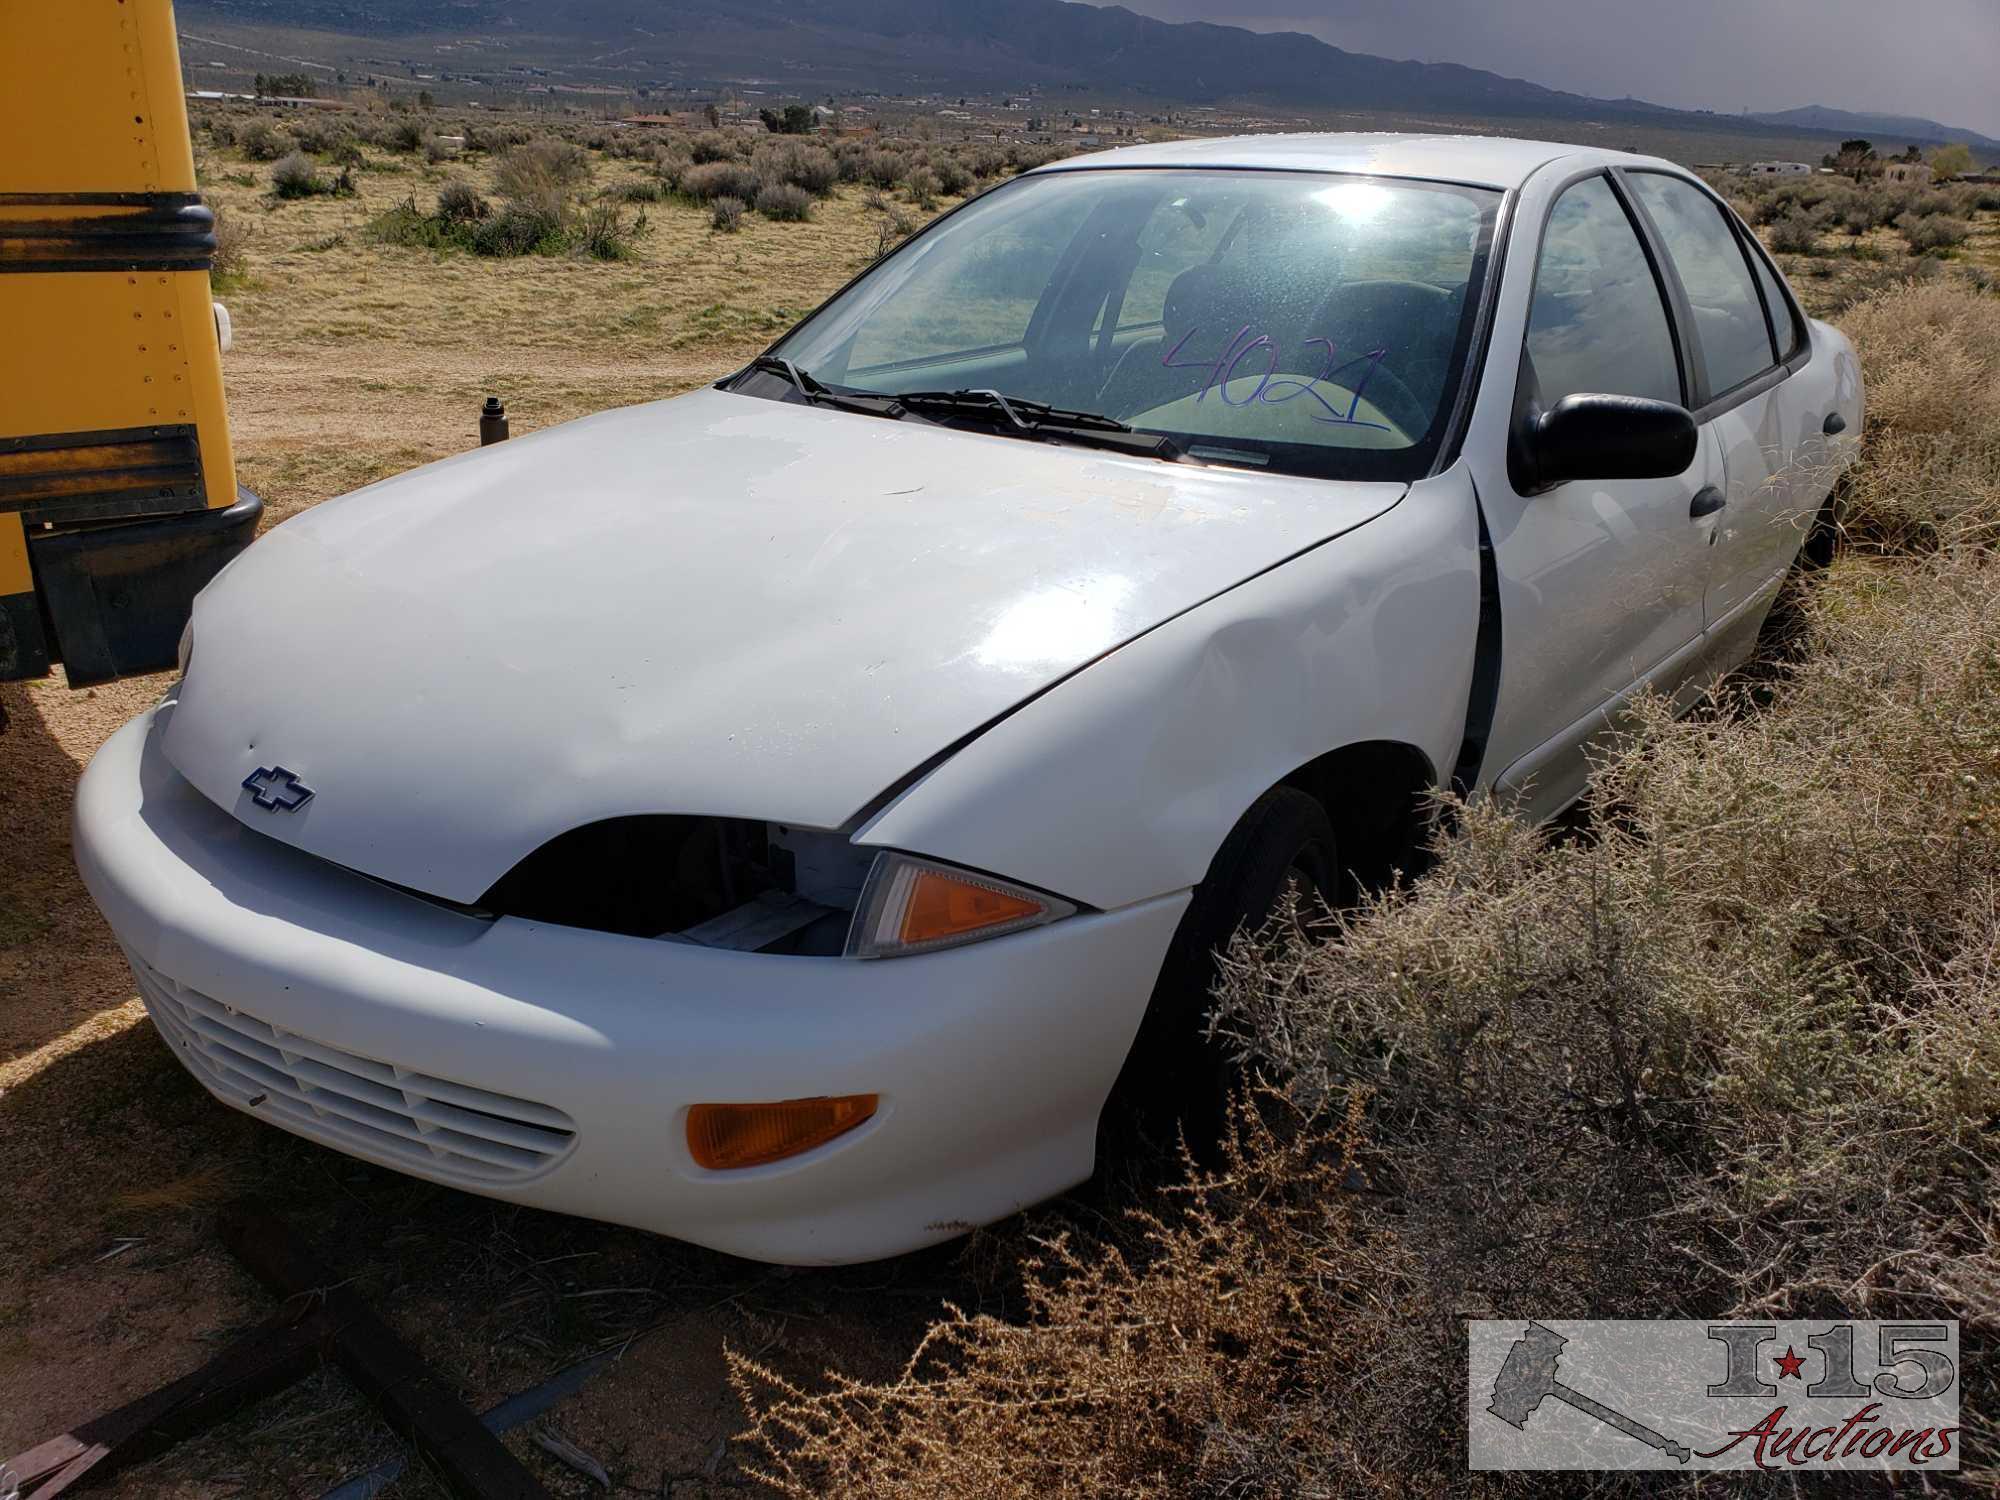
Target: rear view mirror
[{"x": 1605, "y": 437}]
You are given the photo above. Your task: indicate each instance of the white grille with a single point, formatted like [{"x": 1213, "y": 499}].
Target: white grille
[{"x": 424, "y": 1125}]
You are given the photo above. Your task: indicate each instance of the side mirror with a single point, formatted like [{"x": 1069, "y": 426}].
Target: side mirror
[{"x": 1604, "y": 437}]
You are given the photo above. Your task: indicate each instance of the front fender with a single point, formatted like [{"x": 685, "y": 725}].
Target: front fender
[{"x": 1120, "y": 783}]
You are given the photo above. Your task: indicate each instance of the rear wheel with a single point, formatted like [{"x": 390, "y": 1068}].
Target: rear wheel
[
  {"x": 1281, "y": 854},
  {"x": 1822, "y": 537}
]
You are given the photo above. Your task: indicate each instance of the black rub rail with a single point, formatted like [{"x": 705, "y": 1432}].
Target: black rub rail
[{"x": 108, "y": 232}]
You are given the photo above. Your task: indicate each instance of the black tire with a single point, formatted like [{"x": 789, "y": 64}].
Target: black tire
[
  {"x": 1822, "y": 538},
  {"x": 1174, "y": 1076}
]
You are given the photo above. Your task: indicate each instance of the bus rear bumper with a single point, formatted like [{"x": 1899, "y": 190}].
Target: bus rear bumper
[{"x": 117, "y": 596}]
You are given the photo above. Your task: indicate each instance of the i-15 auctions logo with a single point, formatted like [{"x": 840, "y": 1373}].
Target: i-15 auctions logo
[{"x": 1674, "y": 1394}]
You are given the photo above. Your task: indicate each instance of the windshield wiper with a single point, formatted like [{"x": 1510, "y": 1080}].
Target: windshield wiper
[
  {"x": 1039, "y": 419},
  {"x": 819, "y": 393}
]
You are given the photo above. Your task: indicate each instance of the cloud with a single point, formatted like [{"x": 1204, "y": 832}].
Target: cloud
[{"x": 1936, "y": 58}]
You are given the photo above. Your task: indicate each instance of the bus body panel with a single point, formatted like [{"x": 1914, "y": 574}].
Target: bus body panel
[{"x": 118, "y": 492}]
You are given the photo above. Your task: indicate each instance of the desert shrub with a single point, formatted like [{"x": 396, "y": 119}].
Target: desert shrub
[
  {"x": 262, "y": 141},
  {"x": 797, "y": 164},
  {"x": 1861, "y": 209},
  {"x": 541, "y": 171},
  {"x": 1920, "y": 202},
  {"x": 347, "y": 155},
  {"x": 496, "y": 137},
  {"x": 408, "y": 135},
  {"x": 726, "y": 214},
  {"x": 639, "y": 190},
  {"x": 893, "y": 230},
  {"x": 519, "y": 228},
  {"x": 884, "y": 169},
  {"x": 1932, "y": 234},
  {"x": 670, "y": 164},
  {"x": 602, "y": 234},
  {"x": 1767, "y": 207},
  {"x": 874, "y": 201},
  {"x": 459, "y": 202},
  {"x": 1211, "y": 1352},
  {"x": 851, "y": 158},
  {"x": 953, "y": 177},
  {"x": 784, "y": 203},
  {"x": 713, "y": 145},
  {"x": 464, "y": 221},
  {"x": 406, "y": 224},
  {"x": 294, "y": 176},
  {"x": 719, "y": 179},
  {"x": 1025, "y": 157},
  {"x": 316, "y": 135},
  {"x": 1796, "y": 233},
  {"x": 436, "y": 151},
  {"x": 1931, "y": 357},
  {"x": 986, "y": 161},
  {"x": 232, "y": 238},
  {"x": 922, "y": 187},
  {"x": 629, "y": 145},
  {"x": 221, "y": 130}
]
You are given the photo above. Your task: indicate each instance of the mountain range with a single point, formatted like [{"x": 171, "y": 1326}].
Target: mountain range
[
  {"x": 825, "y": 46},
  {"x": 1881, "y": 130}
]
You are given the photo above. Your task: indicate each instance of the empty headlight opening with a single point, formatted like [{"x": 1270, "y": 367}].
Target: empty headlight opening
[
  {"x": 716, "y": 882},
  {"x": 750, "y": 887}
]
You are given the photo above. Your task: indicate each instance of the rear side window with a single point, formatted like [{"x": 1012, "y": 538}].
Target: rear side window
[
  {"x": 1780, "y": 309},
  {"x": 1728, "y": 313},
  {"x": 1598, "y": 323}
]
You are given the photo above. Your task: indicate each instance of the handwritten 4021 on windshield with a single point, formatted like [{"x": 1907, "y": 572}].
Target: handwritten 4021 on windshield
[
  {"x": 1272, "y": 388},
  {"x": 1686, "y": 1394}
]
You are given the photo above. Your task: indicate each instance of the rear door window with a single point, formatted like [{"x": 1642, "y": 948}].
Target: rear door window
[
  {"x": 1728, "y": 313},
  {"x": 1774, "y": 301}
]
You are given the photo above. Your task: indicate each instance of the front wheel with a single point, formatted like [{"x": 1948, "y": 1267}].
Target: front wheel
[{"x": 1282, "y": 852}]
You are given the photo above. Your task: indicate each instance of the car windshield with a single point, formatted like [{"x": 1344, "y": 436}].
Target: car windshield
[{"x": 1307, "y": 323}]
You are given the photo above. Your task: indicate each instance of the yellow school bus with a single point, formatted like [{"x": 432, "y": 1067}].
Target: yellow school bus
[{"x": 118, "y": 493}]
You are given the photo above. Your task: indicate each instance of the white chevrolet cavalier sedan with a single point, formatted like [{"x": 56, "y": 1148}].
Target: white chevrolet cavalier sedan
[{"x": 774, "y": 817}]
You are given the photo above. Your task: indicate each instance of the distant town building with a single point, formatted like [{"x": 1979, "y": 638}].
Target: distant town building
[
  {"x": 1906, "y": 171},
  {"x": 1779, "y": 169}
]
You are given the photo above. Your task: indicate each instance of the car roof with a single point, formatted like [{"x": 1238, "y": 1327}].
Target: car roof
[{"x": 1491, "y": 161}]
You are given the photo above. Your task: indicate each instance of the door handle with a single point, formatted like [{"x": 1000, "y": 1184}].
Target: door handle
[
  {"x": 1834, "y": 425},
  {"x": 1707, "y": 501}
]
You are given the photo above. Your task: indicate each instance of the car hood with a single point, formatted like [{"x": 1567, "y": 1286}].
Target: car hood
[{"x": 715, "y": 605}]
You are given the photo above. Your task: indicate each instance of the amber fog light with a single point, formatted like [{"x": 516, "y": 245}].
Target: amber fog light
[{"x": 722, "y": 1137}]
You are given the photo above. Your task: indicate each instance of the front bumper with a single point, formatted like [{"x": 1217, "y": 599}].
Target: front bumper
[{"x": 553, "y": 1067}]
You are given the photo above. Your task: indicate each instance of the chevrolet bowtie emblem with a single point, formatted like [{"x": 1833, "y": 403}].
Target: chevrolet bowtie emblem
[{"x": 275, "y": 789}]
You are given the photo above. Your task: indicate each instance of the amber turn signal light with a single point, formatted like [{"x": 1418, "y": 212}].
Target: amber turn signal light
[
  {"x": 912, "y": 905},
  {"x": 944, "y": 906},
  {"x": 725, "y": 1137}
]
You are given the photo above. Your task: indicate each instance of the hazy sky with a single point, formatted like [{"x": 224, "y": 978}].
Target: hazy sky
[{"x": 1936, "y": 58}]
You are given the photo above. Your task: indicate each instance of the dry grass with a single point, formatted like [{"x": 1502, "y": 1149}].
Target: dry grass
[
  {"x": 1178, "y": 1360},
  {"x": 356, "y": 359},
  {"x": 1933, "y": 375}
]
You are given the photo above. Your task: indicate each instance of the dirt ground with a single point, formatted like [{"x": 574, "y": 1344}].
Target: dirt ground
[{"x": 354, "y": 360}]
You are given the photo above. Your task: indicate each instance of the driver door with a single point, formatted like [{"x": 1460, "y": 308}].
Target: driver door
[{"x": 1600, "y": 581}]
